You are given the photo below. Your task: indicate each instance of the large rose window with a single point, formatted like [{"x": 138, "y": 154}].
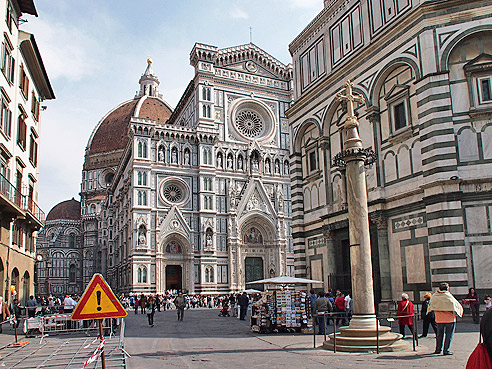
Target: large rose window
[{"x": 252, "y": 120}]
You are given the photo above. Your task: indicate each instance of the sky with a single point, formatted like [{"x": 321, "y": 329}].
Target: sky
[{"x": 95, "y": 52}]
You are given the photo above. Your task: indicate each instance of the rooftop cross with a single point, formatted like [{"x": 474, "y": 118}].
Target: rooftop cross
[{"x": 350, "y": 98}]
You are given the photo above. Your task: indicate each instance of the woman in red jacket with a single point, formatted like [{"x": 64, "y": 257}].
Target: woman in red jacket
[{"x": 405, "y": 314}]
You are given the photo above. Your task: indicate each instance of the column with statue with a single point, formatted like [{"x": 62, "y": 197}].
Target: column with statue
[{"x": 363, "y": 330}]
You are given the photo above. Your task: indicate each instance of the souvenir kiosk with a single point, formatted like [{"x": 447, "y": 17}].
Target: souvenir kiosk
[{"x": 282, "y": 309}]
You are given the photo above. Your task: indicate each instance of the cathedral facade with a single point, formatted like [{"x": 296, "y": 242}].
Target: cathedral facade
[
  {"x": 424, "y": 69},
  {"x": 196, "y": 198}
]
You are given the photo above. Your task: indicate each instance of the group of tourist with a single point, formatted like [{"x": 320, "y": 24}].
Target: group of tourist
[
  {"x": 439, "y": 311},
  {"x": 149, "y": 304},
  {"x": 327, "y": 307}
]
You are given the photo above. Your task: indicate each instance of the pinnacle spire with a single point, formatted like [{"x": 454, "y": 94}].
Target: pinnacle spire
[{"x": 149, "y": 82}]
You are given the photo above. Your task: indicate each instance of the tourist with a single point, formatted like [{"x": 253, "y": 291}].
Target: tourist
[
  {"x": 180, "y": 303},
  {"x": 232, "y": 301},
  {"x": 312, "y": 298},
  {"x": 243, "y": 302},
  {"x": 340, "y": 307},
  {"x": 428, "y": 318},
  {"x": 135, "y": 305},
  {"x": 322, "y": 305},
  {"x": 481, "y": 357},
  {"x": 445, "y": 307},
  {"x": 4, "y": 312},
  {"x": 16, "y": 310},
  {"x": 488, "y": 302},
  {"x": 404, "y": 313},
  {"x": 158, "y": 302},
  {"x": 348, "y": 306},
  {"x": 143, "y": 303},
  {"x": 473, "y": 301},
  {"x": 151, "y": 311},
  {"x": 32, "y": 305}
]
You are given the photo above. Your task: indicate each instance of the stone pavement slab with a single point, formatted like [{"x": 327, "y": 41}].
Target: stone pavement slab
[{"x": 204, "y": 340}]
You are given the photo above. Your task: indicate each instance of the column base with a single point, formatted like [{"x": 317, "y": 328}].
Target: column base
[{"x": 362, "y": 336}]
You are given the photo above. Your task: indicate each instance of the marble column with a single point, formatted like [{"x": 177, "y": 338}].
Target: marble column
[
  {"x": 381, "y": 223},
  {"x": 330, "y": 257}
]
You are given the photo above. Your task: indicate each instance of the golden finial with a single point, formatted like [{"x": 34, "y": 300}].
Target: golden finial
[{"x": 149, "y": 60}]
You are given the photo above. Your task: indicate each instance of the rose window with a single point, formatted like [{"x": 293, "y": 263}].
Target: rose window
[
  {"x": 249, "y": 123},
  {"x": 173, "y": 193}
]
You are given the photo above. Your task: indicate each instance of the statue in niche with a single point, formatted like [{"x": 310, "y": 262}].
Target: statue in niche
[
  {"x": 240, "y": 163},
  {"x": 277, "y": 167},
  {"x": 280, "y": 198},
  {"x": 142, "y": 240},
  {"x": 160, "y": 155},
  {"x": 286, "y": 169},
  {"x": 174, "y": 156},
  {"x": 232, "y": 195},
  {"x": 255, "y": 165},
  {"x": 219, "y": 161},
  {"x": 267, "y": 166},
  {"x": 209, "y": 241},
  {"x": 187, "y": 157},
  {"x": 229, "y": 162}
]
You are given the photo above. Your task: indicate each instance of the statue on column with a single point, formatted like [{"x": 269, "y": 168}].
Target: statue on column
[
  {"x": 280, "y": 198},
  {"x": 232, "y": 195}
]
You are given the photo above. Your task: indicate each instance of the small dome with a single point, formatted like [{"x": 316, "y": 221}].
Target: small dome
[{"x": 68, "y": 210}]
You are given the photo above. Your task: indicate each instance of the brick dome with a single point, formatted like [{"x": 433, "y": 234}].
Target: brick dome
[
  {"x": 68, "y": 210},
  {"x": 112, "y": 133}
]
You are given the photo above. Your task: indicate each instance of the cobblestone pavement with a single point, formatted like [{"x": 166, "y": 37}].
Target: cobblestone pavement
[{"x": 204, "y": 340}]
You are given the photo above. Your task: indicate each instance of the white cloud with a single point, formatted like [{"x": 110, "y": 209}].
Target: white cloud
[
  {"x": 67, "y": 51},
  {"x": 238, "y": 13}
]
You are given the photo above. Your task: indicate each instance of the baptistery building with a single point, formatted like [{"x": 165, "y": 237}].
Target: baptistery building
[
  {"x": 424, "y": 70},
  {"x": 197, "y": 197}
]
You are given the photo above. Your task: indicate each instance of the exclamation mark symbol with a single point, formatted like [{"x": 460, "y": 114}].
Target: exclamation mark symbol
[{"x": 98, "y": 295}]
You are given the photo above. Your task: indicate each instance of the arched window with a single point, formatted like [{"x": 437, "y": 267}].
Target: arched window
[
  {"x": 208, "y": 111},
  {"x": 139, "y": 198},
  {"x": 139, "y": 149},
  {"x": 204, "y": 93},
  {"x": 144, "y": 198},
  {"x": 208, "y": 94},
  {"x": 144, "y": 275},
  {"x": 204, "y": 111},
  {"x": 209, "y": 274},
  {"x": 144, "y": 179},
  {"x": 71, "y": 241},
  {"x": 139, "y": 178},
  {"x": 139, "y": 275},
  {"x": 73, "y": 273},
  {"x": 144, "y": 151}
]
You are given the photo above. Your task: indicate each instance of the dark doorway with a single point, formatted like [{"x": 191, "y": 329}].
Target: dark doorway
[
  {"x": 253, "y": 271},
  {"x": 341, "y": 279},
  {"x": 173, "y": 277}
]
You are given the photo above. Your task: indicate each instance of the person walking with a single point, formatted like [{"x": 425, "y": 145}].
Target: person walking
[
  {"x": 151, "y": 310},
  {"x": 473, "y": 301},
  {"x": 427, "y": 319},
  {"x": 32, "y": 305},
  {"x": 404, "y": 313},
  {"x": 180, "y": 303},
  {"x": 445, "y": 307},
  {"x": 135, "y": 305},
  {"x": 321, "y": 307},
  {"x": 243, "y": 302}
]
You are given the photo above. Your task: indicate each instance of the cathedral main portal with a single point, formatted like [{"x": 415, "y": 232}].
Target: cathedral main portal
[
  {"x": 174, "y": 279},
  {"x": 254, "y": 269}
]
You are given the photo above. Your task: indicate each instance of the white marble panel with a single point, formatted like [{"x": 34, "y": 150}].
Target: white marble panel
[
  {"x": 317, "y": 272},
  {"x": 415, "y": 262},
  {"x": 476, "y": 219},
  {"x": 487, "y": 142},
  {"x": 403, "y": 162},
  {"x": 443, "y": 264},
  {"x": 482, "y": 265},
  {"x": 468, "y": 145},
  {"x": 389, "y": 167},
  {"x": 460, "y": 97}
]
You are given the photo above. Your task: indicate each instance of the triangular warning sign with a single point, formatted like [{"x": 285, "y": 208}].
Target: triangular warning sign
[{"x": 98, "y": 302}]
